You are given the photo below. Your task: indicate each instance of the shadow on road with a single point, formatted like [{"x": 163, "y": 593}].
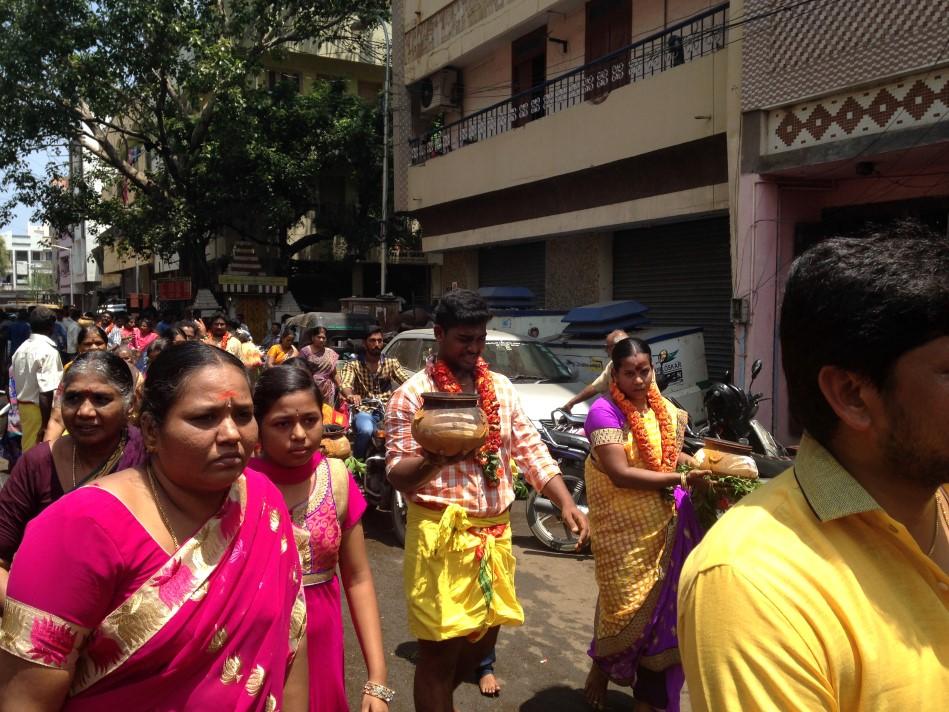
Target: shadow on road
[
  {"x": 407, "y": 651},
  {"x": 378, "y": 526},
  {"x": 529, "y": 546},
  {"x": 565, "y": 699}
]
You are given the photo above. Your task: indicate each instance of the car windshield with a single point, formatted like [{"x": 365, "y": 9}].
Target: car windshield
[{"x": 521, "y": 361}]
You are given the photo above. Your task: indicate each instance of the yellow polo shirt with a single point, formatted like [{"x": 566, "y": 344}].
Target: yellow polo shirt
[{"x": 808, "y": 596}]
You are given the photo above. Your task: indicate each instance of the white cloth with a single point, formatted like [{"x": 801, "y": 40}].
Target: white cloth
[
  {"x": 72, "y": 335},
  {"x": 37, "y": 368}
]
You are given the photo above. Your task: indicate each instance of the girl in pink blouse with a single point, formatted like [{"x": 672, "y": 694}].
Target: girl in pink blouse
[{"x": 325, "y": 506}]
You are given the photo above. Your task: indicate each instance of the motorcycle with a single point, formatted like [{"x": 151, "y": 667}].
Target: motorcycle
[
  {"x": 374, "y": 484},
  {"x": 564, "y": 437},
  {"x": 731, "y": 414}
]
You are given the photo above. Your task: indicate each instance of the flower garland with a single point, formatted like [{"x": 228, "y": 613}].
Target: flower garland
[
  {"x": 666, "y": 462},
  {"x": 487, "y": 456}
]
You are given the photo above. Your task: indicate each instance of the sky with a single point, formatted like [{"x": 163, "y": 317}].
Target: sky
[{"x": 22, "y": 212}]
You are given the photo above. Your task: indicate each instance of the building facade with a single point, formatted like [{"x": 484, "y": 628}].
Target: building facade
[
  {"x": 844, "y": 125},
  {"x": 580, "y": 149},
  {"x": 30, "y": 262}
]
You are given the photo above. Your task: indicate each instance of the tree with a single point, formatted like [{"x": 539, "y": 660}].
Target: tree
[{"x": 169, "y": 102}]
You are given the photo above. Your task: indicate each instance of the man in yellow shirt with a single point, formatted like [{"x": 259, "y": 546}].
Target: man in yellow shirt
[{"x": 827, "y": 589}]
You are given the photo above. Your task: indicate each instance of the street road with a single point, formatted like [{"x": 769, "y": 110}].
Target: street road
[{"x": 541, "y": 665}]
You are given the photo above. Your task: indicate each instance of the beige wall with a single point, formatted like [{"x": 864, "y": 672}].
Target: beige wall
[
  {"x": 696, "y": 201},
  {"x": 579, "y": 270},
  {"x": 655, "y": 113}
]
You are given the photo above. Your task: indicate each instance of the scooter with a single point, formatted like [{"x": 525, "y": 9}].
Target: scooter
[
  {"x": 374, "y": 484},
  {"x": 563, "y": 434},
  {"x": 731, "y": 414}
]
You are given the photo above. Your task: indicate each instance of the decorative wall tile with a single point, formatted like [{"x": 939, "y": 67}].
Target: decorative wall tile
[{"x": 916, "y": 100}]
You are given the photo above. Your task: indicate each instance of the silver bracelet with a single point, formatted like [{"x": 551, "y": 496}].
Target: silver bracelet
[{"x": 378, "y": 691}]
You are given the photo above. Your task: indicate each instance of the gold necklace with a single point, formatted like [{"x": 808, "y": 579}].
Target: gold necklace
[
  {"x": 153, "y": 486},
  {"x": 105, "y": 467},
  {"x": 940, "y": 508}
]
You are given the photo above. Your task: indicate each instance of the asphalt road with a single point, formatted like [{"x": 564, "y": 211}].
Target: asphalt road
[{"x": 542, "y": 665}]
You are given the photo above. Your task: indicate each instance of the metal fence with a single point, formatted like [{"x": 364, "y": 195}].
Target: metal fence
[{"x": 683, "y": 42}]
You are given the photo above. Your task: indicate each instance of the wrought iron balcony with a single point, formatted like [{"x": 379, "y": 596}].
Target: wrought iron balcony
[{"x": 683, "y": 42}]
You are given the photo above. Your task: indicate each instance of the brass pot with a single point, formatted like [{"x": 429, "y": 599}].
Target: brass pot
[{"x": 449, "y": 424}]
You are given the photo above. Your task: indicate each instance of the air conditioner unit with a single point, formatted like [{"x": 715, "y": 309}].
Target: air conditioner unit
[{"x": 440, "y": 91}]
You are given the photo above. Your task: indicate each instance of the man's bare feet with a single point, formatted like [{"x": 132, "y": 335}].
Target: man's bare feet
[
  {"x": 489, "y": 685},
  {"x": 595, "y": 688}
]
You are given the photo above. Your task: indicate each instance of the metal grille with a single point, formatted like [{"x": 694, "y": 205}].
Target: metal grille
[
  {"x": 521, "y": 265},
  {"x": 682, "y": 272},
  {"x": 683, "y": 42}
]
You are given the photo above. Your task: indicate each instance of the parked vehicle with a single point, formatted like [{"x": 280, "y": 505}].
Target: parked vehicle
[
  {"x": 542, "y": 380},
  {"x": 563, "y": 434},
  {"x": 731, "y": 414},
  {"x": 374, "y": 484}
]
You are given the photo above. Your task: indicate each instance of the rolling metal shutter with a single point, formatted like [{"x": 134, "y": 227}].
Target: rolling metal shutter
[
  {"x": 523, "y": 265},
  {"x": 682, "y": 272}
]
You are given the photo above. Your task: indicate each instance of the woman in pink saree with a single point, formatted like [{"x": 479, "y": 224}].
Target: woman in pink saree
[{"x": 174, "y": 586}]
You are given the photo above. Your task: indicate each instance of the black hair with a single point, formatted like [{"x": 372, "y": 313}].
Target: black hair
[
  {"x": 84, "y": 332},
  {"x": 630, "y": 346},
  {"x": 74, "y": 313},
  {"x": 461, "y": 307},
  {"x": 276, "y": 382},
  {"x": 859, "y": 304},
  {"x": 310, "y": 333},
  {"x": 171, "y": 369},
  {"x": 42, "y": 320},
  {"x": 217, "y": 315},
  {"x": 373, "y": 330},
  {"x": 105, "y": 364},
  {"x": 185, "y": 324},
  {"x": 301, "y": 362}
]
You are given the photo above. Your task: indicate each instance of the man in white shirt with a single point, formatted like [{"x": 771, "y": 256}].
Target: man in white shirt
[
  {"x": 602, "y": 382},
  {"x": 72, "y": 333},
  {"x": 37, "y": 371}
]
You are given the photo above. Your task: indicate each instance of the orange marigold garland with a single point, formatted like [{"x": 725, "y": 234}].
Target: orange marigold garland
[
  {"x": 487, "y": 456},
  {"x": 666, "y": 461}
]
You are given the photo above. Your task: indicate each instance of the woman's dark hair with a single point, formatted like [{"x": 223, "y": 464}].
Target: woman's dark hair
[
  {"x": 630, "y": 346},
  {"x": 301, "y": 362},
  {"x": 85, "y": 330},
  {"x": 860, "y": 304},
  {"x": 461, "y": 307},
  {"x": 170, "y": 371},
  {"x": 276, "y": 382},
  {"x": 310, "y": 333},
  {"x": 105, "y": 365}
]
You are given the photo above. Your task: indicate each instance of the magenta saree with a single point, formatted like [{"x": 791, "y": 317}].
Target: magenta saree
[{"x": 213, "y": 627}]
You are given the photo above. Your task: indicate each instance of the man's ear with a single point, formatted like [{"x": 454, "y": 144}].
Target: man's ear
[
  {"x": 439, "y": 333},
  {"x": 851, "y": 396}
]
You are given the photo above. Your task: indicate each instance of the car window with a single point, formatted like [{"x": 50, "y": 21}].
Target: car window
[
  {"x": 406, "y": 350},
  {"x": 524, "y": 361}
]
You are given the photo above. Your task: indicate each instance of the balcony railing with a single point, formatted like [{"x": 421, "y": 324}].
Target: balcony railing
[{"x": 683, "y": 42}]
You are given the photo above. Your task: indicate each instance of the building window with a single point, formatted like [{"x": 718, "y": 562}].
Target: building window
[
  {"x": 609, "y": 28},
  {"x": 292, "y": 78},
  {"x": 48, "y": 255},
  {"x": 528, "y": 70}
]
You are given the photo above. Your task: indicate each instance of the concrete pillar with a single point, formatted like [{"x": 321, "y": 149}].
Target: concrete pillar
[
  {"x": 357, "y": 280},
  {"x": 579, "y": 270}
]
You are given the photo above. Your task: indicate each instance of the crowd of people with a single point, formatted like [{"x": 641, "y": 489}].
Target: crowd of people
[{"x": 182, "y": 539}]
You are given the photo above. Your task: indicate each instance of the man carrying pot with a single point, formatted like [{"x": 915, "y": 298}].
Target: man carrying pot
[{"x": 458, "y": 521}]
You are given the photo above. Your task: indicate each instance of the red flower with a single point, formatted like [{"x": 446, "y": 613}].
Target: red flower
[
  {"x": 52, "y": 642},
  {"x": 664, "y": 461}
]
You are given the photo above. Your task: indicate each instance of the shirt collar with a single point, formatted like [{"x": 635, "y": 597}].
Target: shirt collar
[
  {"x": 829, "y": 489},
  {"x": 44, "y": 338}
]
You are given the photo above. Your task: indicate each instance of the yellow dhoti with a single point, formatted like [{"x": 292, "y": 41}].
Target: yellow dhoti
[
  {"x": 458, "y": 574},
  {"x": 31, "y": 422}
]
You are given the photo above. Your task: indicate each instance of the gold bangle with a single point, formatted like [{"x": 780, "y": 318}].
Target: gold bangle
[
  {"x": 380, "y": 692},
  {"x": 683, "y": 480}
]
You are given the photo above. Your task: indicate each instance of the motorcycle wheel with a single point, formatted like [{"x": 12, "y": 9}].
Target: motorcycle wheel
[
  {"x": 549, "y": 529},
  {"x": 399, "y": 510}
]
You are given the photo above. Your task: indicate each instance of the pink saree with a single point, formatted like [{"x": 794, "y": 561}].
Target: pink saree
[{"x": 213, "y": 627}]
